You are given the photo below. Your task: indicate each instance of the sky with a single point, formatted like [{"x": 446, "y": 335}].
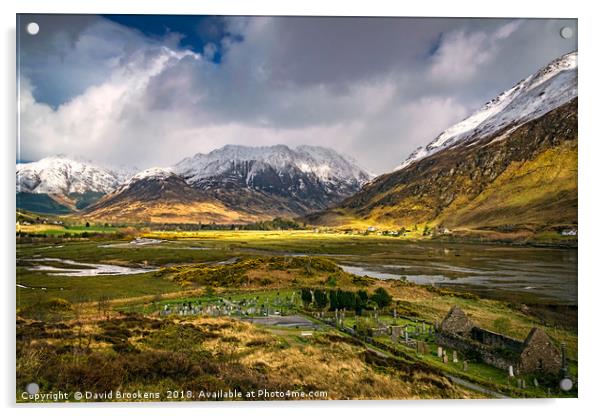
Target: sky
[{"x": 132, "y": 90}]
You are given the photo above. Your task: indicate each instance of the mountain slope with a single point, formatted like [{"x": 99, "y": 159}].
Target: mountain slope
[
  {"x": 231, "y": 184},
  {"x": 549, "y": 88},
  {"x": 515, "y": 170},
  {"x": 274, "y": 179},
  {"x": 59, "y": 184},
  {"x": 159, "y": 195},
  {"x": 234, "y": 184}
]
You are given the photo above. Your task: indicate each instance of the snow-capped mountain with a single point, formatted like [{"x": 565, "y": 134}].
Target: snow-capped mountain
[
  {"x": 155, "y": 173},
  {"x": 549, "y": 88},
  {"x": 63, "y": 175},
  {"x": 235, "y": 184},
  {"x": 324, "y": 164},
  {"x": 309, "y": 177},
  {"x": 509, "y": 171},
  {"x": 260, "y": 182}
]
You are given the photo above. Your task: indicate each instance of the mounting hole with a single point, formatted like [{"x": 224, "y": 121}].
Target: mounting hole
[
  {"x": 566, "y": 32},
  {"x": 33, "y": 28},
  {"x": 566, "y": 384},
  {"x": 32, "y": 388}
]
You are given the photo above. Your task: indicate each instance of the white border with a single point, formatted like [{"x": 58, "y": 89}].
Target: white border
[{"x": 590, "y": 68}]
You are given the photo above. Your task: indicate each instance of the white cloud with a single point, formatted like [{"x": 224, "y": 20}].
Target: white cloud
[
  {"x": 462, "y": 54},
  {"x": 361, "y": 88}
]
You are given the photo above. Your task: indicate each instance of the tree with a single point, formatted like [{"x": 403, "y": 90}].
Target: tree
[
  {"x": 346, "y": 299},
  {"x": 334, "y": 300},
  {"x": 363, "y": 296},
  {"x": 361, "y": 301},
  {"x": 320, "y": 298},
  {"x": 381, "y": 297},
  {"x": 306, "y": 296}
]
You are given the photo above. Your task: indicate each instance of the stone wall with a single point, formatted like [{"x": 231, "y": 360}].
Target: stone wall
[
  {"x": 496, "y": 340},
  {"x": 536, "y": 354},
  {"x": 456, "y": 322},
  {"x": 539, "y": 354},
  {"x": 485, "y": 353}
]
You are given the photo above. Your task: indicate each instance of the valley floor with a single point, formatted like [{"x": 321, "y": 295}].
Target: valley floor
[{"x": 195, "y": 319}]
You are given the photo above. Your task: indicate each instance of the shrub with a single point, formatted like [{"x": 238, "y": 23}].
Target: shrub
[{"x": 381, "y": 297}]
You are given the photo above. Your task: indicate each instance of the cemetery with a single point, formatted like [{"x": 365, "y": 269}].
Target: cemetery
[
  {"x": 459, "y": 347},
  {"x": 236, "y": 305},
  {"x": 455, "y": 345}
]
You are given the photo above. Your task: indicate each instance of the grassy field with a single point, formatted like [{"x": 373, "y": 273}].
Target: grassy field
[
  {"x": 60, "y": 230},
  {"x": 82, "y": 321}
]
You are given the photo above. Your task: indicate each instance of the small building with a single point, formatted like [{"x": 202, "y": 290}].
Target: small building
[
  {"x": 536, "y": 354},
  {"x": 539, "y": 354},
  {"x": 457, "y": 322}
]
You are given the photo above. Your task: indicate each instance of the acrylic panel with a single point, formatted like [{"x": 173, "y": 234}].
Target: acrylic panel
[{"x": 295, "y": 208}]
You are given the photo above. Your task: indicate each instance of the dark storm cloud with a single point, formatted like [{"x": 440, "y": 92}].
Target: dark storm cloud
[{"x": 375, "y": 88}]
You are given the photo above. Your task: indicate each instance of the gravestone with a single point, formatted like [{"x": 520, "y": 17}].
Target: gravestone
[
  {"x": 510, "y": 371},
  {"x": 455, "y": 357},
  {"x": 439, "y": 352},
  {"x": 422, "y": 347},
  {"x": 465, "y": 365},
  {"x": 445, "y": 359}
]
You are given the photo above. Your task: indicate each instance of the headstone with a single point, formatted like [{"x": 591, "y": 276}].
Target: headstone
[
  {"x": 421, "y": 347},
  {"x": 439, "y": 352},
  {"x": 407, "y": 337},
  {"x": 445, "y": 359},
  {"x": 510, "y": 371},
  {"x": 535, "y": 382},
  {"x": 455, "y": 357},
  {"x": 465, "y": 366},
  {"x": 423, "y": 327}
]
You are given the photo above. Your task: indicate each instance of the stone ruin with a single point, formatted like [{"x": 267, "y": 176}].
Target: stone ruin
[
  {"x": 457, "y": 322},
  {"x": 537, "y": 353}
]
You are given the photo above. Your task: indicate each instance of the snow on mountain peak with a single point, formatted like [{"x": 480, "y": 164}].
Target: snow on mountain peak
[
  {"x": 156, "y": 173},
  {"x": 153, "y": 173},
  {"x": 324, "y": 163},
  {"x": 549, "y": 88},
  {"x": 64, "y": 175}
]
